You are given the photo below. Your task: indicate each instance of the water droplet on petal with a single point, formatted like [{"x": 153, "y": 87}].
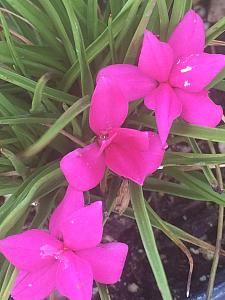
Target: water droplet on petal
[
  {"x": 187, "y": 69},
  {"x": 186, "y": 83},
  {"x": 29, "y": 285}
]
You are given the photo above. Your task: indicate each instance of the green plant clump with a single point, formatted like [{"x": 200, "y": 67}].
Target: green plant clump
[{"x": 50, "y": 53}]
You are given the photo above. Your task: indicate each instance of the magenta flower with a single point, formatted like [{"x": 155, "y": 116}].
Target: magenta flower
[
  {"x": 127, "y": 152},
  {"x": 66, "y": 258},
  {"x": 172, "y": 77}
]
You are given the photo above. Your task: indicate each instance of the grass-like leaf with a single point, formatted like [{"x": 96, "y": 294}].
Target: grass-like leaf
[
  {"x": 77, "y": 108},
  {"x": 164, "y": 18},
  {"x": 86, "y": 77},
  {"x": 214, "y": 31},
  {"x": 148, "y": 239},
  {"x": 183, "y": 129},
  {"x": 197, "y": 184}
]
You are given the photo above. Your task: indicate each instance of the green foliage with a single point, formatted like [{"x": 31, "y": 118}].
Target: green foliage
[
  {"x": 148, "y": 239},
  {"x": 50, "y": 52}
]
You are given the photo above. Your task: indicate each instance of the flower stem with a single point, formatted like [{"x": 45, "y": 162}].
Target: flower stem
[
  {"x": 216, "y": 254},
  {"x": 103, "y": 292},
  {"x": 219, "y": 232}
]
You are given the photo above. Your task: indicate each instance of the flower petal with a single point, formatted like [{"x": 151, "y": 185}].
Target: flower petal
[
  {"x": 189, "y": 35},
  {"x": 156, "y": 153},
  {"x": 109, "y": 107},
  {"x": 194, "y": 72},
  {"x": 167, "y": 109},
  {"x": 31, "y": 249},
  {"x": 106, "y": 260},
  {"x": 83, "y": 228},
  {"x": 156, "y": 58},
  {"x": 132, "y": 136},
  {"x": 133, "y": 83},
  {"x": 72, "y": 201},
  {"x": 199, "y": 109},
  {"x": 83, "y": 168},
  {"x": 35, "y": 285},
  {"x": 125, "y": 158},
  {"x": 74, "y": 277}
]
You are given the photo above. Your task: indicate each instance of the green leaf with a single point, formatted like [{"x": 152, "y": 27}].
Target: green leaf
[
  {"x": 30, "y": 85},
  {"x": 86, "y": 77},
  {"x": 8, "y": 108},
  {"x": 154, "y": 23},
  {"x": 7, "y": 141},
  {"x": 92, "y": 20},
  {"x": 39, "y": 184},
  {"x": 176, "y": 15},
  {"x": 38, "y": 92},
  {"x": 8, "y": 282},
  {"x": 4, "y": 268},
  {"x": 18, "y": 64},
  {"x": 122, "y": 42},
  {"x": 28, "y": 119},
  {"x": 214, "y": 31},
  {"x": 206, "y": 170},
  {"x": 171, "y": 188},
  {"x": 80, "y": 8},
  {"x": 197, "y": 184},
  {"x": 17, "y": 163},
  {"x": 183, "y": 129},
  {"x": 147, "y": 236},
  {"x": 164, "y": 19},
  {"x": 97, "y": 46},
  {"x": 74, "y": 110},
  {"x": 199, "y": 159},
  {"x": 56, "y": 20},
  {"x": 39, "y": 20},
  {"x": 221, "y": 85},
  {"x": 44, "y": 209},
  {"x": 188, "y": 5},
  {"x": 8, "y": 187},
  {"x": 115, "y": 7},
  {"x": 111, "y": 42}
]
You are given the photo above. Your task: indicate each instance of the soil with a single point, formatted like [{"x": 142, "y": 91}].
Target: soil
[{"x": 197, "y": 218}]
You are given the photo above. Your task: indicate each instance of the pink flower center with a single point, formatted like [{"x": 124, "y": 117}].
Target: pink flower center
[{"x": 105, "y": 138}]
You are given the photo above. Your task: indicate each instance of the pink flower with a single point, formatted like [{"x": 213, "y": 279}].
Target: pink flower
[
  {"x": 127, "y": 152},
  {"x": 66, "y": 258},
  {"x": 172, "y": 77}
]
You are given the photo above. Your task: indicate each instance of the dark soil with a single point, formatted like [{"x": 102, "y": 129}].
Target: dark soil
[{"x": 197, "y": 218}]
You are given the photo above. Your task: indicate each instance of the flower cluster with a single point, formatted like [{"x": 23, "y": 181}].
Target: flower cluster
[{"x": 172, "y": 78}]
